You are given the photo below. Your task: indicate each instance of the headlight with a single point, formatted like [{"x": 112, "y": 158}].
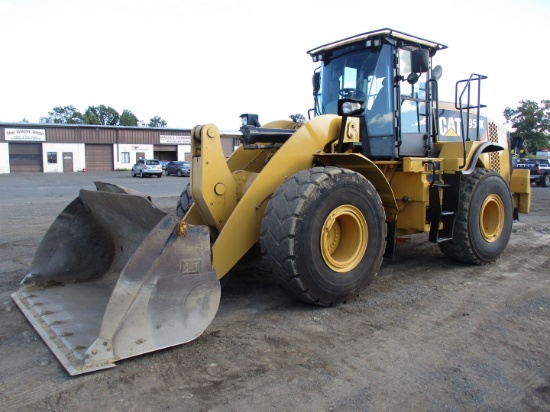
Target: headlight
[
  {"x": 249, "y": 119},
  {"x": 350, "y": 107}
]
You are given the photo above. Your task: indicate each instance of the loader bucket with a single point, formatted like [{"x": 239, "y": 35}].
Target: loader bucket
[{"x": 115, "y": 277}]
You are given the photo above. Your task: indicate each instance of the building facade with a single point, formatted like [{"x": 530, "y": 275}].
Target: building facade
[{"x": 50, "y": 148}]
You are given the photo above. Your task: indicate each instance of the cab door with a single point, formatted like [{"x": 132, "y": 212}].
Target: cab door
[{"x": 413, "y": 139}]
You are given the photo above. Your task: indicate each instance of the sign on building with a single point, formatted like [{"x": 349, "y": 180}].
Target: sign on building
[
  {"x": 166, "y": 139},
  {"x": 25, "y": 135}
]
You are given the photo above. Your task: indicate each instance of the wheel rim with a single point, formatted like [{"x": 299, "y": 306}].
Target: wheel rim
[
  {"x": 344, "y": 238},
  {"x": 491, "y": 218}
]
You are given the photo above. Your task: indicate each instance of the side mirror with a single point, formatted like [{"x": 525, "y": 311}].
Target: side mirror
[
  {"x": 412, "y": 78},
  {"x": 420, "y": 60},
  {"x": 316, "y": 82}
]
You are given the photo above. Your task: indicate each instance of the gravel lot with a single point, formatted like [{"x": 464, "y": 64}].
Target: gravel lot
[{"x": 428, "y": 335}]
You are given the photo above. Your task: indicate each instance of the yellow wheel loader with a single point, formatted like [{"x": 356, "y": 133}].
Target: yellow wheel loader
[{"x": 322, "y": 202}]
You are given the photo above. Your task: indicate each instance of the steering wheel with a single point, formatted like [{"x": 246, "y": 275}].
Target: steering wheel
[
  {"x": 350, "y": 93},
  {"x": 346, "y": 93}
]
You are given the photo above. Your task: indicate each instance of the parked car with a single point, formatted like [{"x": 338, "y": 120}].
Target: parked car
[
  {"x": 539, "y": 170},
  {"x": 147, "y": 167},
  {"x": 182, "y": 168},
  {"x": 163, "y": 163}
]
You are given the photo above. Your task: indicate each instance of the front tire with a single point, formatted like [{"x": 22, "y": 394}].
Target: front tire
[
  {"x": 184, "y": 202},
  {"x": 483, "y": 223},
  {"x": 323, "y": 235}
]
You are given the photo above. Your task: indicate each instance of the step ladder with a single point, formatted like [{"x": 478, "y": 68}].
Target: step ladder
[{"x": 443, "y": 206}]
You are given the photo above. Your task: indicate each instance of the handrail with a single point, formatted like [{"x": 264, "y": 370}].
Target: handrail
[{"x": 474, "y": 77}]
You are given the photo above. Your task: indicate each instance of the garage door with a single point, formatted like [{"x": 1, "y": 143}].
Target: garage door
[
  {"x": 165, "y": 152},
  {"x": 99, "y": 157},
  {"x": 25, "y": 157}
]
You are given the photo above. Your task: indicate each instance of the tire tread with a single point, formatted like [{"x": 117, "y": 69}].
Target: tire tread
[
  {"x": 277, "y": 239},
  {"x": 460, "y": 248}
]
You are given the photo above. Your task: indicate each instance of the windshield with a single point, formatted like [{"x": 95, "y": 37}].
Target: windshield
[{"x": 361, "y": 74}]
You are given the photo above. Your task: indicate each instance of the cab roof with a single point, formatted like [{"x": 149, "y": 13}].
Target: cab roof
[{"x": 386, "y": 33}]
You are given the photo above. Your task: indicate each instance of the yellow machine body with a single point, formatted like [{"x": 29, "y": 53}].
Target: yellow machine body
[{"x": 115, "y": 277}]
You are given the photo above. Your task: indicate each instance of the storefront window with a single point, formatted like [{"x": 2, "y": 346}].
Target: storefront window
[
  {"x": 52, "y": 157},
  {"x": 125, "y": 157}
]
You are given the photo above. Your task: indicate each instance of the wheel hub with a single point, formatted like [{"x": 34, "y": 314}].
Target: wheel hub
[
  {"x": 491, "y": 218},
  {"x": 344, "y": 238}
]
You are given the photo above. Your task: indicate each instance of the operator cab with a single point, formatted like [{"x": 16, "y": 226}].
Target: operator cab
[{"x": 391, "y": 74}]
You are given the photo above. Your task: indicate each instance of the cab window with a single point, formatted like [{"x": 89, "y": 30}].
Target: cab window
[{"x": 413, "y": 97}]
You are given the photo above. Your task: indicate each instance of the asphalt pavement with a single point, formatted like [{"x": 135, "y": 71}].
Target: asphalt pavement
[{"x": 35, "y": 187}]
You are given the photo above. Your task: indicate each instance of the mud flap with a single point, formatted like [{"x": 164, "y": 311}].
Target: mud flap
[{"x": 115, "y": 277}]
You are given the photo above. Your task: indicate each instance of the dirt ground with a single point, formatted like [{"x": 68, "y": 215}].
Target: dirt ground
[{"x": 428, "y": 335}]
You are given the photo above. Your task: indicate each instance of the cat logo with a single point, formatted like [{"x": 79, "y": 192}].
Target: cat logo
[{"x": 450, "y": 126}]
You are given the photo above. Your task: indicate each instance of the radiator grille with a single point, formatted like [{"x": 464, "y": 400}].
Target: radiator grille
[{"x": 494, "y": 156}]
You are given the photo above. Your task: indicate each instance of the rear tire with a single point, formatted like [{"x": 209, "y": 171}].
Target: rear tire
[
  {"x": 323, "y": 235},
  {"x": 545, "y": 181},
  {"x": 184, "y": 202},
  {"x": 483, "y": 223},
  {"x": 159, "y": 175}
]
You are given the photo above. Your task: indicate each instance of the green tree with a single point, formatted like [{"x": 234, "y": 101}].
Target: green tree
[
  {"x": 532, "y": 122},
  {"x": 64, "y": 115},
  {"x": 97, "y": 115},
  {"x": 101, "y": 115},
  {"x": 298, "y": 118},
  {"x": 157, "y": 121},
  {"x": 91, "y": 116},
  {"x": 127, "y": 118}
]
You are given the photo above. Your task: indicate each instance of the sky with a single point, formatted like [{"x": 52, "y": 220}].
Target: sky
[{"x": 209, "y": 61}]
